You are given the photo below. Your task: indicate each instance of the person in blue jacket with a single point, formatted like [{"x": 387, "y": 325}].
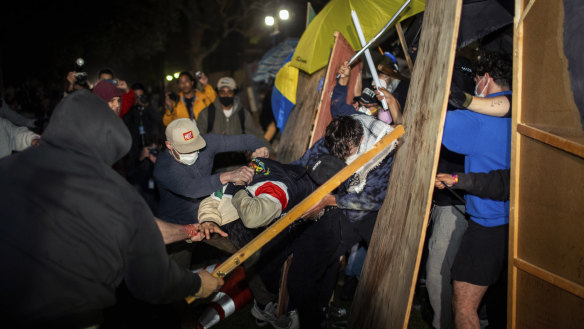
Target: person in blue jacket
[{"x": 485, "y": 141}]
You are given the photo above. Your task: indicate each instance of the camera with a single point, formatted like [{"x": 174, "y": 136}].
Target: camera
[
  {"x": 80, "y": 74},
  {"x": 112, "y": 81},
  {"x": 153, "y": 150},
  {"x": 173, "y": 96},
  {"x": 199, "y": 74}
]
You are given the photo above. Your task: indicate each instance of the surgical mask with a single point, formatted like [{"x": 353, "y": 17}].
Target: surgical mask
[
  {"x": 365, "y": 110},
  {"x": 476, "y": 91},
  {"x": 189, "y": 159},
  {"x": 382, "y": 84},
  {"x": 226, "y": 101}
]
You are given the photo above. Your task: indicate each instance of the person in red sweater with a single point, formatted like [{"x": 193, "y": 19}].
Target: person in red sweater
[{"x": 128, "y": 93}]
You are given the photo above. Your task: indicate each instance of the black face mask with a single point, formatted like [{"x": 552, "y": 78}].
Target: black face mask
[{"x": 226, "y": 101}]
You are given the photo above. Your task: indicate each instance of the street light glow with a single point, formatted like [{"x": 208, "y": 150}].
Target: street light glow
[
  {"x": 169, "y": 77},
  {"x": 176, "y": 75},
  {"x": 269, "y": 20},
  {"x": 284, "y": 14}
]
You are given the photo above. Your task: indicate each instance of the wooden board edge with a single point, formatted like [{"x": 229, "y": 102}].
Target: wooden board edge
[
  {"x": 516, "y": 110},
  {"x": 322, "y": 93}
]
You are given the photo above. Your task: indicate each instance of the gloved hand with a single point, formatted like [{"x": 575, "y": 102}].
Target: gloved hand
[{"x": 459, "y": 98}]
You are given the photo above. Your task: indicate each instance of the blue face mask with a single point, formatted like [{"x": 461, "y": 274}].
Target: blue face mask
[{"x": 482, "y": 94}]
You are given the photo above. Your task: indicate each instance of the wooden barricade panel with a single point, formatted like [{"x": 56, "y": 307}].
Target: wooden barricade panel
[
  {"x": 546, "y": 263},
  {"x": 385, "y": 292},
  {"x": 342, "y": 51}
]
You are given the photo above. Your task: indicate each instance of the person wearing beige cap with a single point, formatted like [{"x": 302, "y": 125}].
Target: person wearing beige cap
[
  {"x": 227, "y": 115},
  {"x": 183, "y": 174}
]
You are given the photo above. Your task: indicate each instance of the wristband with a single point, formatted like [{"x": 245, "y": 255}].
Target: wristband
[
  {"x": 191, "y": 231},
  {"x": 455, "y": 177},
  {"x": 467, "y": 100}
]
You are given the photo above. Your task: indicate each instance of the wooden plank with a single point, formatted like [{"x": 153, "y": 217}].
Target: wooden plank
[
  {"x": 283, "y": 295},
  {"x": 342, "y": 51},
  {"x": 570, "y": 144},
  {"x": 402, "y": 41},
  {"x": 269, "y": 233},
  {"x": 386, "y": 287},
  {"x": 515, "y": 165},
  {"x": 551, "y": 278},
  {"x": 296, "y": 134}
]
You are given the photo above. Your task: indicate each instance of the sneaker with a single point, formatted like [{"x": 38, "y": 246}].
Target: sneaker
[
  {"x": 267, "y": 315},
  {"x": 264, "y": 315}
]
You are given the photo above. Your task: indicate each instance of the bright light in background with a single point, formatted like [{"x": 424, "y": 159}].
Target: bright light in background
[
  {"x": 284, "y": 14},
  {"x": 269, "y": 20},
  {"x": 176, "y": 75},
  {"x": 169, "y": 77}
]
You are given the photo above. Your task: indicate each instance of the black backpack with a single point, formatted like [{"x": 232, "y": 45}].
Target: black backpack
[{"x": 211, "y": 118}]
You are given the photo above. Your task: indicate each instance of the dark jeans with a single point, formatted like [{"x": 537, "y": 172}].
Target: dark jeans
[{"x": 316, "y": 248}]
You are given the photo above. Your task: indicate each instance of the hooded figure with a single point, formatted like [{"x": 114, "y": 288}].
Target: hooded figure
[{"x": 72, "y": 228}]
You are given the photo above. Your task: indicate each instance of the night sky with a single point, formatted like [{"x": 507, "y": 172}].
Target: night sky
[{"x": 139, "y": 40}]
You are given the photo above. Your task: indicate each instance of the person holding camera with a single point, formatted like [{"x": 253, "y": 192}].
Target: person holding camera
[
  {"x": 144, "y": 123},
  {"x": 127, "y": 98},
  {"x": 77, "y": 79},
  {"x": 189, "y": 102}
]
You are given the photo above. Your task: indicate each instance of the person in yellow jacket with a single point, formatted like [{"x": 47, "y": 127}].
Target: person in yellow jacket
[{"x": 190, "y": 101}]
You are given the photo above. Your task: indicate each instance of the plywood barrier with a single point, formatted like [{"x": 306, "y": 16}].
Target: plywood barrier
[
  {"x": 386, "y": 286},
  {"x": 546, "y": 249},
  {"x": 342, "y": 51}
]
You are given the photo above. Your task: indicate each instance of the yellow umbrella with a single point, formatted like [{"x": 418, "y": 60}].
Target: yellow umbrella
[{"x": 315, "y": 44}]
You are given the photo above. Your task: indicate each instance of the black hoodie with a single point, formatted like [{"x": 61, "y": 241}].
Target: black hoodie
[{"x": 71, "y": 228}]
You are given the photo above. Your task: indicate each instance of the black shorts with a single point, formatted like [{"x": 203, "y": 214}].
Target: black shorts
[{"x": 482, "y": 255}]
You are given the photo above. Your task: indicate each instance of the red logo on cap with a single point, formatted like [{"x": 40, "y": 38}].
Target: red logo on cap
[{"x": 188, "y": 135}]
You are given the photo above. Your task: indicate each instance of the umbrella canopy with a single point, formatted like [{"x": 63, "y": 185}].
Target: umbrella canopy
[
  {"x": 313, "y": 49},
  {"x": 273, "y": 60},
  {"x": 479, "y": 18}
]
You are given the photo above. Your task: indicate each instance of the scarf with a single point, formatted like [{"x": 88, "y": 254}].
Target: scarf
[{"x": 373, "y": 131}]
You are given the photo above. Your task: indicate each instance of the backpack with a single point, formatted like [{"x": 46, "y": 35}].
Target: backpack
[{"x": 211, "y": 118}]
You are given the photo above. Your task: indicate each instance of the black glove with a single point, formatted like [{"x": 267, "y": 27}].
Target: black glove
[{"x": 459, "y": 98}]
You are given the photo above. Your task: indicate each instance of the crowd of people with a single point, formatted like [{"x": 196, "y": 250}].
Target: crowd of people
[{"x": 115, "y": 190}]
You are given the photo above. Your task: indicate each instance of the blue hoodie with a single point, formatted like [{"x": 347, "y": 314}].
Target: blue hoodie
[{"x": 486, "y": 143}]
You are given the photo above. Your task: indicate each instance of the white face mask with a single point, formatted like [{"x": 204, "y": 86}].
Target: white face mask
[
  {"x": 365, "y": 110},
  {"x": 382, "y": 83},
  {"x": 476, "y": 91},
  {"x": 189, "y": 158}
]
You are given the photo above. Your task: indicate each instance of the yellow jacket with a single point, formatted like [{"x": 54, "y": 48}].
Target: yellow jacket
[{"x": 202, "y": 100}]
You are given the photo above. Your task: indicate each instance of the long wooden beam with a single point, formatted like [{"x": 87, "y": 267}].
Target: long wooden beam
[
  {"x": 386, "y": 287},
  {"x": 269, "y": 233}
]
